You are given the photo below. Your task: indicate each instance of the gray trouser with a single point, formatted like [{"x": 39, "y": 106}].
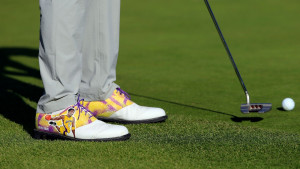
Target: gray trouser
[{"x": 79, "y": 44}]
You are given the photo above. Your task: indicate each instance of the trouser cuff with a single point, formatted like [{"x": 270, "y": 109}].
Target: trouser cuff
[
  {"x": 56, "y": 104},
  {"x": 96, "y": 94}
]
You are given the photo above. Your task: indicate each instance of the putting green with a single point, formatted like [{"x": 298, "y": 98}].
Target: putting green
[{"x": 170, "y": 57}]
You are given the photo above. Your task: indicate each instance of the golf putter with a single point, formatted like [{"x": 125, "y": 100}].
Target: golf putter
[{"x": 248, "y": 107}]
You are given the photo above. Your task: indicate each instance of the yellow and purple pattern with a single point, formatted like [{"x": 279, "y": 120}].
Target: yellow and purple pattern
[
  {"x": 109, "y": 106},
  {"x": 81, "y": 116}
]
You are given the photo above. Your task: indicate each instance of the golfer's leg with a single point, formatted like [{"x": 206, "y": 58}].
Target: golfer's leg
[
  {"x": 101, "y": 46},
  {"x": 60, "y": 52},
  {"x": 100, "y": 50}
]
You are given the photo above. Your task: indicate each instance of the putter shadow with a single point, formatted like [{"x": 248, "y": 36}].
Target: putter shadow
[
  {"x": 13, "y": 91},
  {"x": 280, "y": 109},
  {"x": 233, "y": 117}
]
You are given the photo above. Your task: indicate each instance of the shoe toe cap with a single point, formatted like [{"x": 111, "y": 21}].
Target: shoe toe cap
[
  {"x": 136, "y": 112},
  {"x": 112, "y": 131},
  {"x": 101, "y": 130},
  {"x": 151, "y": 112}
]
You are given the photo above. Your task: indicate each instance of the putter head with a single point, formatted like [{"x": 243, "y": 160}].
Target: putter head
[{"x": 256, "y": 107}]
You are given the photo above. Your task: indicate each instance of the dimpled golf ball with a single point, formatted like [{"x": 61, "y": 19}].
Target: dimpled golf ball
[{"x": 288, "y": 104}]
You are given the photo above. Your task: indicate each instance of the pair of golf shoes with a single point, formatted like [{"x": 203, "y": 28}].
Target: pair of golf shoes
[{"x": 87, "y": 120}]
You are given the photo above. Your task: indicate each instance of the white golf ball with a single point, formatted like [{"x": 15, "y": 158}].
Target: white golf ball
[{"x": 288, "y": 104}]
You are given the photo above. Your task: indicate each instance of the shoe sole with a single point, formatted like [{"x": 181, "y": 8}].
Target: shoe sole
[
  {"x": 53, "y": 136},
  {"x": 154, "y": 120}
]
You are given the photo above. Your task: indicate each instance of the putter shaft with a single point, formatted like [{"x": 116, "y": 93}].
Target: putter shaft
[
  {"x": 245, "y": 108},
  {"x": 228, "y": 51}
]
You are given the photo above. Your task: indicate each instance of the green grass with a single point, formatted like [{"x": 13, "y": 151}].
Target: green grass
[{"x": 170, "y": 57}]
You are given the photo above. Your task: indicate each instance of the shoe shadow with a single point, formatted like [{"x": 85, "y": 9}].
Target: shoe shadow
[
  {"x": 12, "y": 91},
  {"x": 233, "y": 117}
]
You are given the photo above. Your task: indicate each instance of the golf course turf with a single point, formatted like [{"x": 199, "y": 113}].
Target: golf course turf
[{"x": 170, "y": 57}]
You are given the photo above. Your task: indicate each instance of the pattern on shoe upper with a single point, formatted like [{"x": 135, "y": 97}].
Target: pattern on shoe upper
[
  {"x": 118, "y": 100},
  {"x": 64, "y": 123}
]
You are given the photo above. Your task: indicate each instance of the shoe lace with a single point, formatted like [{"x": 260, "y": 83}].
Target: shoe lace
[
  {"x": 124, "y": 93},
  {"x": 80, "y": 107}
]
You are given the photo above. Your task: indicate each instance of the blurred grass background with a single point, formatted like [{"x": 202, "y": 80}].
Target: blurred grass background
[{"x": 170, "y": 57}]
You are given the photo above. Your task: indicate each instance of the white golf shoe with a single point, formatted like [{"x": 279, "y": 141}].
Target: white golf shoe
[
  {"x": 119, "y": 108},
  {"x": 77, "y": 123}
]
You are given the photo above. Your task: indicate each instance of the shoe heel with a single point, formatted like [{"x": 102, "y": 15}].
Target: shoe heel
[
  {"x": 38, "y": 135},
  {"x": 48, "y": 136}
]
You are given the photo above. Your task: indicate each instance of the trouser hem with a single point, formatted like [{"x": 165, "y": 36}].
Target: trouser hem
[
  {"x": 56, "y": 104},
  {"x": 96, "y": 94}
]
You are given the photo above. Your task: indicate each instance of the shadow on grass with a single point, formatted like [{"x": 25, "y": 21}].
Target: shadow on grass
[
  {"x": 12, "y": 90},
  {"x": 280, "y": 109},
  {"x": 233, "y": 117}
]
